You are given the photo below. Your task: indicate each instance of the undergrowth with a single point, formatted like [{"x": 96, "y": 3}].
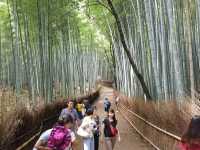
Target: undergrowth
[
  {"x": 169, "y": 115},
  {"x": 22, "y": 122}
]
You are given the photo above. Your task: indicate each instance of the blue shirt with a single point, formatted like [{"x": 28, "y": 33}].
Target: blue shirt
[
  {"x": 72, "y": 112},
  {"x": 106, "y": 103}
]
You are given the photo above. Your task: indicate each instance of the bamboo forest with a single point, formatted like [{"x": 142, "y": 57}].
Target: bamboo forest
[{"x": 142, "y": 56}]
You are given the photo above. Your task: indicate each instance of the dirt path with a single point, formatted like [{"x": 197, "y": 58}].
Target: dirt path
[{"x": 130, "y": 140}]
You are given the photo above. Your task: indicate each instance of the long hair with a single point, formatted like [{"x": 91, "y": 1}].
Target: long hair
[{"x": 114, "y": 117}]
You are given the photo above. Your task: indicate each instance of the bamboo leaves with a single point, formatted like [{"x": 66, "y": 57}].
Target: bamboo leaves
[
  {"x": 49, "y": 57},
  {"x": 164, "y": 40}
]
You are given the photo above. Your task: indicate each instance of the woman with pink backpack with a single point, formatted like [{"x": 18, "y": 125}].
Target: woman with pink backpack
[{"x": 60, "y": 137}]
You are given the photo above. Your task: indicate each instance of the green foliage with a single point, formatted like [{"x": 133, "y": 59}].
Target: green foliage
[{"x": 47, "y": 41}]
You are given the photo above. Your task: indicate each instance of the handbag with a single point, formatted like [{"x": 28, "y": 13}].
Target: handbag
[
  {"x": 83, "y": 133},
  {"x": 114, "y": 131}
]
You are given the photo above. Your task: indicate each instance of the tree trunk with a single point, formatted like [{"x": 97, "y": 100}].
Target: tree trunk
[
  {"x": 126, "y": 49},
  {"x": 1, "y": 71},
  {"x": 192, "y": 85}
]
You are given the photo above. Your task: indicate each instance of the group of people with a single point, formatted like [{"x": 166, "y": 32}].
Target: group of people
[
  {"x": 81, "y": 119},
  {"x": 93, "y": 129}
]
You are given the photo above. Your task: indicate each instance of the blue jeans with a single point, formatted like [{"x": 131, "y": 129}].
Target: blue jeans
[{"x": 88, "y": 143}]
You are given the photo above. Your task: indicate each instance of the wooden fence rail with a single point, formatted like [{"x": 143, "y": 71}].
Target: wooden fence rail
[{"x": 159, "y": 138}]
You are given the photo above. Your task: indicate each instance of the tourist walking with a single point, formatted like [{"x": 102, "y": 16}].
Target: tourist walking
[
  {"x": 87, "y": 129},
  {"x": 72, "y": 111},
  {"x": 79, "y": 108},
  {"x": 41, "y": 143},
  {"x": 97, "y": 131},
  {"x": 110, "y": 131},
  {"x": 117, "y": 99},
  {"x": 86, "y": 105},
  {"x": 61, "y": 137},
  {"x": 107, "y": 105}
]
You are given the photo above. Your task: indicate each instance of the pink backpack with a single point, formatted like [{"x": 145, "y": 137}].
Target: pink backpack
[{"x": 60, "y": 138}]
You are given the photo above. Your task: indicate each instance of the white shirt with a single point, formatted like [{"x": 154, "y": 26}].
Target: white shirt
[
  {"x": 89, "y": 125},
  {"x": 44, "y": 137}
]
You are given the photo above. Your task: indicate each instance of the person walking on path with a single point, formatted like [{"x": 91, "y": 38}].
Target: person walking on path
[
  {"x": 86, "y": 105},
  {"x": 110, "y": 131},
  {"x": 72, "y": 111},
  {"x": 42, "y": 141},
  {"x": 97, "y": 131},
  {"x": 107, "y": 105},
  {"x": 117, "y": 99},
  {"x": 191, "y": 139},
  {"x": 87, "y": 129},
  {"x": 79, "y": 108},
  {"x": 60, "y": 137}
]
